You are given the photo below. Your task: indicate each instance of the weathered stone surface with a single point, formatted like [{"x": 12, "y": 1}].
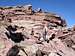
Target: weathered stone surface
[{"x": 43, "y": 33}]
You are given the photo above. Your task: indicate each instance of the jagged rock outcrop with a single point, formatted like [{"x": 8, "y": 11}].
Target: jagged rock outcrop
[{"x": 34, "y": 33}]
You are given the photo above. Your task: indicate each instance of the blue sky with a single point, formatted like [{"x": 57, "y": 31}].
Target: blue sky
[{"x": 64, "y": 8}]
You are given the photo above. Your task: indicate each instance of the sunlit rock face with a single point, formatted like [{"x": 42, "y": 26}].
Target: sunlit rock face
[{"x": 34, "y": 33}]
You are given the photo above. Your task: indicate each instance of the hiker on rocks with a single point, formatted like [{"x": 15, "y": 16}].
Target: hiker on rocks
[{"x": 45, "y": 33}]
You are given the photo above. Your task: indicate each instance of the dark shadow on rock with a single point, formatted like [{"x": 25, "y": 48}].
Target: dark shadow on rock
[
  {"x": 14, "y": 36},
  {"x": 13, "y": 51}
]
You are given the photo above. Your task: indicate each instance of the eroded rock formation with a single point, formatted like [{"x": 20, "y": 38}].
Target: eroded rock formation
[{"x": 26, "y": 32}]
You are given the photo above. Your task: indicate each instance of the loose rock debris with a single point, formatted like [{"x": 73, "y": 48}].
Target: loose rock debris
[{"x": 26, "y": 32}]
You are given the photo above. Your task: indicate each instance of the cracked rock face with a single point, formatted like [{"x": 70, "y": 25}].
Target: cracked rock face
[{"x": 25, "y": 32}]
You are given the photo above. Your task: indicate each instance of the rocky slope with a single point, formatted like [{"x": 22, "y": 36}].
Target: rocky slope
[{"x": 26, "y": 32}]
